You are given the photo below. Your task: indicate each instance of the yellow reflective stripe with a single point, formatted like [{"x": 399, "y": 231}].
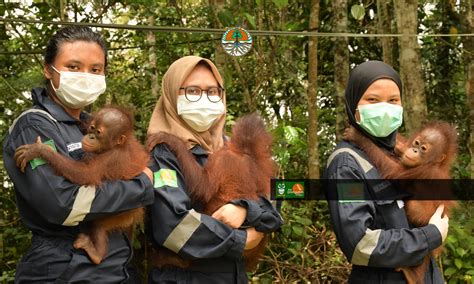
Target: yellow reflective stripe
[
  {"x": 365, "y": 247},
  {"x": 366, "y": 166},
  {"x": 181, "y": 233},
  {"x": 82, "y": 205}
]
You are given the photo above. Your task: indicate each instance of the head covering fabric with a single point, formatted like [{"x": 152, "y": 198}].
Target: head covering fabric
[
  {"x": 165, "y": 115},
  {"x": 360, "y": 79}
]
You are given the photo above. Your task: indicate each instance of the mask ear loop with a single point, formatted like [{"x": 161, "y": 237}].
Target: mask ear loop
[
  {"x": 52, "y": 86},
  {"x": 55, "y": 69},
  {"x": 355, "y": 115},
  {"x": 51, "y": 81}
]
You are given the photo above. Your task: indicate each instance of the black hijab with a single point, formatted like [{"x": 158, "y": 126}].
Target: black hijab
[{"x": 360, "y": 79}]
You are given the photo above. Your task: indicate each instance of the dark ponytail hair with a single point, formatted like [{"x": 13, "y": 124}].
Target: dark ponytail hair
[{"x": 71, "y": 34}]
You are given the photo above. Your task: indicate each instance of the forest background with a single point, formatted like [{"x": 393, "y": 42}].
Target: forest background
[{"x": 294, "y": 76}]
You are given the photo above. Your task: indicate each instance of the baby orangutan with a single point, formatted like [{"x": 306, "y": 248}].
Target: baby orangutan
[
  {"x": 111, "y": 152},
  {"x": 242, "y": 169},
  {"x": 427, "y": 155}
]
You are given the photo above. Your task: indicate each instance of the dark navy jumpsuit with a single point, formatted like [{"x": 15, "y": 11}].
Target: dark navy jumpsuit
[
  {"x": 215, "y": 248},
  {"x": 55, "y": 209},
  {"x": 373, "y": 232}
]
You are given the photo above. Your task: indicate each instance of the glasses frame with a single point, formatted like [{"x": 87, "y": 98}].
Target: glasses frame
[{"x": 221, "y": 93}]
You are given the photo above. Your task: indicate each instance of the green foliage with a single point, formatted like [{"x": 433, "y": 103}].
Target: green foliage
[
  {"x": 458, "y": 261},
  {"x": 280, "y": 3},
  {"x": 289, "y": 147},
  {"x": 14, "y": 237},
  {"x": 305, "y": 248}
]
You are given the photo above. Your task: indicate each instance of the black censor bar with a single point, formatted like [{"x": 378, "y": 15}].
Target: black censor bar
[{"x": 348, "y": 190}]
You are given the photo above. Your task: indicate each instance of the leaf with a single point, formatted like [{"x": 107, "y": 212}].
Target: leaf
[
  {"x": 250, "y": 19},
  {"x": 293, "y": 251},
  {"x": 298, "y": 230},
  {"x": 280, "y": 3},
  {"x": 286, "y": 229},
  {"x": 358, "y": 12},
  {"x": 470, "y": 272},
  {"x": 303, "y": 221},
  {"x": 291, "y": 134},
  {"x": 450, "y": 271},
  {"x": 461, "y": 252},
  {"x": 226, "y": 18},
  {"x": 458, "y": 263}
]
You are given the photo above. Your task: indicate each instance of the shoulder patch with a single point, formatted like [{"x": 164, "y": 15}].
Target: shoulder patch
[
  {"x": 38, "y": 161},
  {"x": 165, "y": 177},
  {"x": 349, "y": 192}
]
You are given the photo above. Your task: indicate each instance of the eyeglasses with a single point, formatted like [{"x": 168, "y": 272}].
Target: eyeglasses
[{"x": 194, "y": 94}]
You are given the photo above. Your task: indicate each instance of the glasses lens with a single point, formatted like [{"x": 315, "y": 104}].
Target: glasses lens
[
  {"x": 214, "y": 94},
  {"x": 193, "y": 94}
]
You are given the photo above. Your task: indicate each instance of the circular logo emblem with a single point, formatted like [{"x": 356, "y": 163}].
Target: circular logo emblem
[
  {"x": 237, "y": 41},
  {"x": 297, "y": 188}
]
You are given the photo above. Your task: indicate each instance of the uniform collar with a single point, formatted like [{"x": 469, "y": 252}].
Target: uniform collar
[
  {"x": 41, "y": 98},
  {"x": 198, "y": 150}
]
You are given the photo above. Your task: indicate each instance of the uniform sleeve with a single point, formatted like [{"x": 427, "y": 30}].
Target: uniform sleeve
[
  {"x": 56, "y": 199},
  {"x": 361, "y": 242},
  {"x": 177, "y": 226},
  {"x": 260, "y": 214}
]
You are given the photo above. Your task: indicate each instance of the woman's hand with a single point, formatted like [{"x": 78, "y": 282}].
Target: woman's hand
[
  {"x": 442, "y": 223},
  {"x": 149, "y": 173},
  {"x": 230, "y": 214},
  {"x": 253, "y": 238}
]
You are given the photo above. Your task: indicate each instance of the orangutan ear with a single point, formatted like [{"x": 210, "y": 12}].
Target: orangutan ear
[
  {"x": 442, "y": 158},
  {"x": 122, "y": 139}
]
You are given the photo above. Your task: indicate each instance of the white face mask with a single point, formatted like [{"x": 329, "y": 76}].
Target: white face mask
[
  {"x": 199, "y": 115},
  {"x": 78, "y": 89}
]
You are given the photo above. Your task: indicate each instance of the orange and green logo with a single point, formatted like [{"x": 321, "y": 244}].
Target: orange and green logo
[
  {"x": 237, "y": 41},
  {"x": 289, "y": 189}
]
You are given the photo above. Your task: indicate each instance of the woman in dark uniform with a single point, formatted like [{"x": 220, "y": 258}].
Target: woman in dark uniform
[
  {"x": 192, "y": 107},
  {"x": 53, "y": 208},
  {"x": 367, "y": 213}
]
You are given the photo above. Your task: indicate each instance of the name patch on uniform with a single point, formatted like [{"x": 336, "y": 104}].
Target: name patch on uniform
[
  {"x": 400, "y": 204},
  {"x": 350, "y": 192},
  {"x": 38, "y": 162},
  {"x": 165, "y": 177},
  {"x": 74, "y": 146}
]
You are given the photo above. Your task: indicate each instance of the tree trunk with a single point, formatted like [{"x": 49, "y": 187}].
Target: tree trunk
[
  {"x": 313, "y": 159},
  {"x": 62, "y": 10},
  {"x": 341, "y": 64},
  {"x": 151, "y": 38},
  {"x": 413, "y": 95},
  {"x": 220, "y": 56},
  {"x": 468, "y": 43},
  {"x": 384, "y": 24}
]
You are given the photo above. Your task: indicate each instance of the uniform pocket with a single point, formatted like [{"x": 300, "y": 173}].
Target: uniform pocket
[
  {"x": 31, "y": 272},
  {"x": 390, "y": 215},
  {"x": 60, "y": 266},
  {"x": 66, "y": 271},
  {"x": 39, "y": 261}
]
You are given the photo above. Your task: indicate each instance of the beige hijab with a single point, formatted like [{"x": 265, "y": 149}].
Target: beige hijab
[{"x": 165, "y": 116}]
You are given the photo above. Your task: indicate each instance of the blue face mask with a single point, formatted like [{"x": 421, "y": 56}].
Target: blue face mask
[{"x": 380, "y": 119}]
